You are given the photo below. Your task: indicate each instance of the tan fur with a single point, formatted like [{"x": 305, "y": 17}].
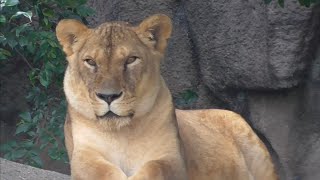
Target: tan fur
[{"x": 145, "y": 138}]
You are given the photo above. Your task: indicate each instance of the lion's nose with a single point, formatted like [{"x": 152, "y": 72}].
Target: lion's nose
[{"x": 109, "y": 97}]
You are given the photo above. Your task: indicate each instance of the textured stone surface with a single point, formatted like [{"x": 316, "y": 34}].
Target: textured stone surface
[
  {"x": 258, "y": 60},
  {"x": 274, "y": 115},
  {"x": 15, "y": 171},
  {"x": 247, "y": 44}
]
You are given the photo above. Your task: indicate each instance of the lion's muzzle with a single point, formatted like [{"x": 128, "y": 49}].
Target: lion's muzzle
[{"x": 108, "y": 98}]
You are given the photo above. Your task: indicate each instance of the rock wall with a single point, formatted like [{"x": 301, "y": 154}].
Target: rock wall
[{"x": 262, "y": 61}]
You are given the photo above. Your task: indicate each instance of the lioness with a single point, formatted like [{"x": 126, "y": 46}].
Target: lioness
[{"x": 121, "y": 122}]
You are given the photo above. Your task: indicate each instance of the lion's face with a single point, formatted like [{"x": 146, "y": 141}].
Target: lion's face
[{"x": 113, "y": 73}]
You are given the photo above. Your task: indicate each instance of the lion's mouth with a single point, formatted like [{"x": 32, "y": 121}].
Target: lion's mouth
[{"x": 112, "y": 115}]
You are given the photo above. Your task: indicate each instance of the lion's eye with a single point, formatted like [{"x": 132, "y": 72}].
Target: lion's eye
[
  {"x": 90, "y": 62},
  {"x": 131, "y": 60}
]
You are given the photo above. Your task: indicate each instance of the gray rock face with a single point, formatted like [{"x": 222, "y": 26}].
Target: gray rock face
[
  {"x": 258, "y": 60},
  {"x": 15, "y": 171},
  {"x": 250, "y": 45}
]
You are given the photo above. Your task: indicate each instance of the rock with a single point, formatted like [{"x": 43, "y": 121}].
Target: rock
[
  {"x": 306, "y": 133},
  {"x": 250, "y": 45},
  {"x": 129, "y": 11},
  {"x": 14, "y": 171},
  {"x": 274, "y": 115},
  {"x": 290, "y": 121}
]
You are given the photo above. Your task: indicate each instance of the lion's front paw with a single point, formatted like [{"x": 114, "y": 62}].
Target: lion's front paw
[
  {"x": 118, "y": 175},
  {"x": 136, "y": 178},
  {"x": 143, "y": 177}
]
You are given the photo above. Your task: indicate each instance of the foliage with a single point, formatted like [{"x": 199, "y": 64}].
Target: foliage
[
  {"x": 186, "y": 97},
  {"x": 27, "y": 33},
  {"x": 306, "y": 3}
]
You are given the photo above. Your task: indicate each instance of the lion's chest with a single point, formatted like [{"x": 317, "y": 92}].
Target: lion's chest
[{"x": 126, "y": 153}]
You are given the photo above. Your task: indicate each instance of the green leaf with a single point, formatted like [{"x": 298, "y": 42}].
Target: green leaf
[
  {"x": 37, "y": 118},
  {"x": 50, "y": 67},
  {"x": 84, "y": 11},
  {"x": 4, "y": 54},
  {"x": 53, "y": 55},
  {"x": 27, "y": 144},
  {"x": 8, "y": 156},
  {"x": 34, "y": 152},
  {"x": 52, "y": 152},
  {"x": 13, "y": 144},
  {"x": 301, "y": 2},
  {"x": 21, "y": 28},
  {"x": 5, "y": 147},
  {"x": 45, "y": 137},
  {"x": 31, "y": 133},
  {"x": 2, "y": 39},
  {"x": 11, "y": 2},
  {"x": 189, "y": 96},
  {"x": 32, "y": 77},
  {"x": 43, "y": 50},
  {"x": 2, "y": 19},
  {"x": 26, "y": 116},
  {"x": 72, "y": 3},
  {"x": 23, "y": 41},
  {"x": 46, "y": 21},
  {"x": 22, "y": 128},
  {"x": 53, "y": 112},
  {"x": 55, "y": 144},
  {"x": 281, "y": 3},
  {"x": 53, "y": 43},
  {"x": 37, "y": 160},
  {"x": 307, "y": 3},
  {"x": 27, "y": 14},
  {"x": 48, "y": 12},
  {"x": 45, "y": 78},
  {"x": 19, "y": 153},
  {"x": 31, "y": 48},
  {"x": 12, "y": 42},
  {"x": 267, "y": 1},
  {"x": 43, "y": 145},
  {"x": 186, "y": 97}
]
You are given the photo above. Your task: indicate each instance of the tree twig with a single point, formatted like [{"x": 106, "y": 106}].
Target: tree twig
[{"x": 24, "y": 58}]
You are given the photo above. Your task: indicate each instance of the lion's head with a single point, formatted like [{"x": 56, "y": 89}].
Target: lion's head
[{"x": 113, "y": 70}]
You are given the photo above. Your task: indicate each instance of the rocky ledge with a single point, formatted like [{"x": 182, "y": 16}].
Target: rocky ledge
[{"x": 14, "y": 171}]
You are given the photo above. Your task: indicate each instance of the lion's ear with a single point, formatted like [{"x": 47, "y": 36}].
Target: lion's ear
[
  {"x": 68, "y": 31},
  {"x": 155, "y": 31}
]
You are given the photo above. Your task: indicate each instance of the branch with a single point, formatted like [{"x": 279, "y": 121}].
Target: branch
[{"x": 24, "y": 59}]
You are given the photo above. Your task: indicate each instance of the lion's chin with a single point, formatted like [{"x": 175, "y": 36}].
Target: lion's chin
[
  {"x": 112, "y": 116},
  {"x": 112, "y": 121}
]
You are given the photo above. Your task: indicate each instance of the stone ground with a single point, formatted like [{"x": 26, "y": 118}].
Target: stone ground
[{"x": 14, "y": 171}]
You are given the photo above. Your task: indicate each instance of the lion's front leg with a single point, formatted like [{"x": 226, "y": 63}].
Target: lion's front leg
[
  {"x": 160, "y": 170},
  {"x": 87, "y": 165}
]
